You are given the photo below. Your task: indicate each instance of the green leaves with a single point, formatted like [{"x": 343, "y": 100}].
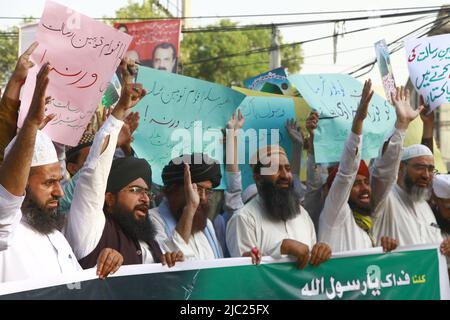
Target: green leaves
[{"x": 9, "y": 47}]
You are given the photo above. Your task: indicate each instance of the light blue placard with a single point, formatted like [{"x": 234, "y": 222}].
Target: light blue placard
[
  {"x": 170, "y": 112},
  {"x": 261, "y": 115},
  {"x": 336, "y": 98}
]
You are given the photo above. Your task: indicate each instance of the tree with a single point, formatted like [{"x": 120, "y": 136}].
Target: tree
[
  {"x": 9, "y": 46},
  {"x": 201, "y": 46},
  {"x": 205, "y": 45},
  {"x": 9, "y": 49},
  {"x": 134, "y": 10}
]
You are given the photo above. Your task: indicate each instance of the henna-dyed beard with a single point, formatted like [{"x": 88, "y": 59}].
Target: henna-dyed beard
[{"x": 200, "y": 217}]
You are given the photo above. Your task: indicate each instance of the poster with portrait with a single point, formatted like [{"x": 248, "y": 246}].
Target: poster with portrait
[{"x": 155, "y": 44}]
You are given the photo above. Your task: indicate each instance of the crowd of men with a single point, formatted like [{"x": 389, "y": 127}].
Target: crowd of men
[{"x": 66, "y": 209}]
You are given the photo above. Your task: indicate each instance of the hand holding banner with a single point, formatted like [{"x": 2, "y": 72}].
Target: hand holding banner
[{"x": 83, "y": 54}]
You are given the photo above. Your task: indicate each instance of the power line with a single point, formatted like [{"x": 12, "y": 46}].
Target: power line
[
  {"x": 300, "y": 23},
  {"x": 259, "y": 50},
  {"x": 294, "y": 59},
  {"x": 307, "y": 23},
  {"x": 371, "y": 64},
  {"x": 250, "y": 15},
  {"x": 253, "y": 27},
  {"x": 266, "y": 49},
  {"x": 393, "y": 42}
]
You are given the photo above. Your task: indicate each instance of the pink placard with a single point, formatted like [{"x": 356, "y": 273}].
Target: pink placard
[{"x": 84, "y": 54}]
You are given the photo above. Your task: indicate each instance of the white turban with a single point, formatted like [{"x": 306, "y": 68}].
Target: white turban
[
  {"x": 44, "y": 150},
  {"x": 416, "y": 150},
  {"x": 441, "y": 186}
]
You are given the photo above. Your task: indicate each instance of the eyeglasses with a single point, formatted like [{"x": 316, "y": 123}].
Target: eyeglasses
[
  {"x": 422, "y": 167},
  {"x": 206, "y": 191},
  {"x": 140, "y": 191}
]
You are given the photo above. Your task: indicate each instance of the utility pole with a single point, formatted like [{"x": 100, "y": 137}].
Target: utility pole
[
  {"x": 275, "y": 55},
  {"x": 187, "y": 12}
]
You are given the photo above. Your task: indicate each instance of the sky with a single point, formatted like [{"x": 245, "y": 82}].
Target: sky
[{"x": 357, "y": 48}]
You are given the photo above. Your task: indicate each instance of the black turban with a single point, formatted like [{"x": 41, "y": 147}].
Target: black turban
[
  {"x": 86, "y": 141},
  {"x": 202, "y": 168},
  {"x": 126, "y": 170}
]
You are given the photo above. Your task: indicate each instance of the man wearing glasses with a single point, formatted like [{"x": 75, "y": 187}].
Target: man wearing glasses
[
  {"x": 111, "y": 198},
  {"x": 181, "y": 220},
  {"x": 407, "y": 216}
]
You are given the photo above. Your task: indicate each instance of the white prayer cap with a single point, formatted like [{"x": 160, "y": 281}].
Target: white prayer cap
[
  {"x": 249, "y": 193},
  {"x": 441, "y": 186},
  {"x": 264, "y": 154},
  {"x": 416, "y": 150},
  {"x": 44, "y": 150}
]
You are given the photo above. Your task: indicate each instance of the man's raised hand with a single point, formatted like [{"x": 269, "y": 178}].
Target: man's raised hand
[
  {"x": 24, "y": 64},
  {"x": 36, "y": 113},
  {"x": 405, "y": 114}
]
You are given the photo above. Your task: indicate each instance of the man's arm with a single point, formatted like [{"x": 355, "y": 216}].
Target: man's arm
[
  {"x": 296, "y": 137},
  {"x": 313, "y": 197},
  {"x": 184, "y": 225},
  {"x": 9, "y": 104},
  {"x": 16, "y": 168},
  {"x": 233, "y": 193},
  {"x": 24, "y": 64},
  {"x": 8, "y": 122},
  {"x": 86, "y": 219},
  {"x": 340, "y": 190},
  {"x": 383, "y": 172},
  {"x": 385, "y": 169},
  {"x": 314, "y": 201},
  {"x": 313, "y": 170},
  {"x": 428, "y": 125},
  {"x": 295, "y": 134}
]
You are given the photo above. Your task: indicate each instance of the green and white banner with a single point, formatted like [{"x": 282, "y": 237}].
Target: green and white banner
[{"x": 418, "y": 273}]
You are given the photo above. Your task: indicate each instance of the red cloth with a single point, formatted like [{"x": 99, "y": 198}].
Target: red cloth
[{"x": 362, "y": 170}]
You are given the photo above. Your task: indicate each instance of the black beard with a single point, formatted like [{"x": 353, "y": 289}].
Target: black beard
[
  {"x": 365, "y": 211},
  {"x": 136, "y": 229},
  {"x": 281, "y": 204},
  {"x": 42, "y": 220},
  {"x": 444, "y": 224}
]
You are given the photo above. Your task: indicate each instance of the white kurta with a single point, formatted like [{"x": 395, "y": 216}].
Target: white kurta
[
  {"x": 445, "y": 235},
  {"x": 410, "y": 222},
  {"x": 86, "y": 219},
  {"x": 337, "y": 226},
  {"x": 250, "y": 227},
  {"x": 25, "y": 253},
  {"x": 198, "y": 247}
]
